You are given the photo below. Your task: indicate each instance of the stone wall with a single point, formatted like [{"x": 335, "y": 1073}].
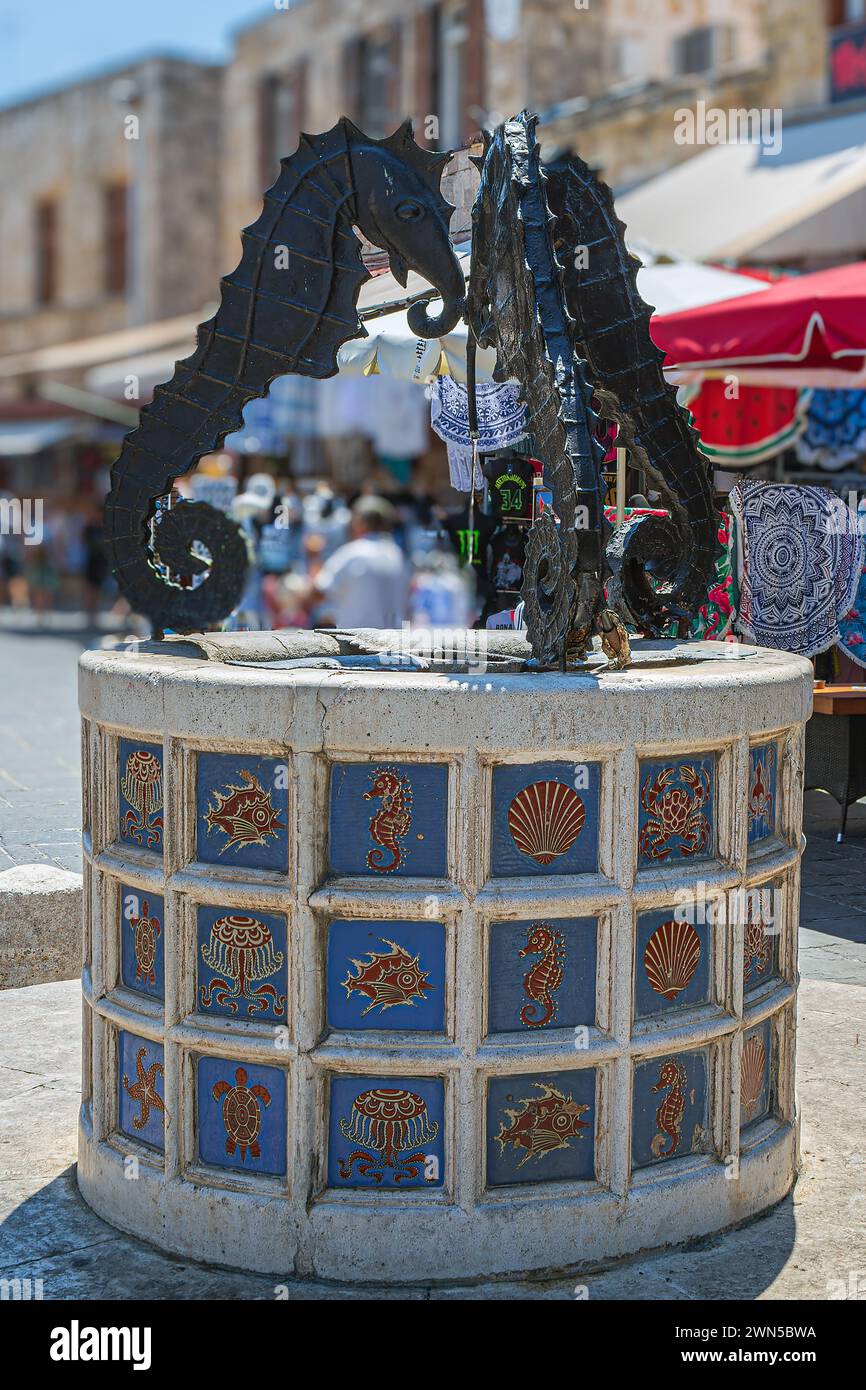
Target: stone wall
[{"x": 65, "y": 148}]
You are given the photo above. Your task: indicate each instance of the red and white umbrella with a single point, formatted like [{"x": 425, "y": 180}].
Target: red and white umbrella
[{"x": 804, "y": 331}]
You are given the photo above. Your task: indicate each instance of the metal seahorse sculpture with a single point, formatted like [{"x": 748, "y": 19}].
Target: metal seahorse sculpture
[
  {"x": 553, "y": 290},
  {"x": 287, "y": 308}
]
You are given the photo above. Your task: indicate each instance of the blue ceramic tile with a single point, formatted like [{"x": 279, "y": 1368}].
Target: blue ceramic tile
[
  {"x": 141, "y": 1089},
  {"x": 142, "y": 941},
  {"x": 670, "y": 1118},
  {"x": 762, "y": 791},
  {"x": 242, "y": 811},
  {"x": 386, "y": 1131},
  {"x": 241, "y": 964},
  {"x": 140, "y": 793},
  {"x": 389, "y": 818},
  {"x": 676, "y": 815},
  {"x": 672, "y": 963},
  {"x": 756, "y": 1074},
  {"x": 386, "y": 975},
  {"x": 541, "y": 1127},
  {"x": 242, "y": 1120},
  {"x": 761, "y": 937},
  {"x": 545, "y": 819},
  {"x": 542, "y": 974}
]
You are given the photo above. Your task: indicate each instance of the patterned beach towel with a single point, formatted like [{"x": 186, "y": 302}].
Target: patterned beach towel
[
  {"x": 501, "y": 422},
  {"x": 800, "y": 555}
]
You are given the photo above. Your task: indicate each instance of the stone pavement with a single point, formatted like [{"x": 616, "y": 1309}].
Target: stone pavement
[
  {"x": 806, "y": 1247},
  {"x": 40, "y": 778}
]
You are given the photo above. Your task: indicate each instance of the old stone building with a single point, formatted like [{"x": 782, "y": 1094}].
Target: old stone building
[
  {"x": 607, "y": 78},
  {"x": 109, "y": 201}
]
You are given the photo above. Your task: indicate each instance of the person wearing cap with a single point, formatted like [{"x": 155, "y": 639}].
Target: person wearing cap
[{"x": 365, "y": 583}]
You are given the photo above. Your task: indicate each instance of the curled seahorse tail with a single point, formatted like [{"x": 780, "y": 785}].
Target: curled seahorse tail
[
  {"x": 527, "y": 1014},
  {"x": 375, "y": 859}
]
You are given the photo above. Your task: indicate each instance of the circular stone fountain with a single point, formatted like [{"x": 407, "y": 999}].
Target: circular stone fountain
[{"x": 417, "y": 974}]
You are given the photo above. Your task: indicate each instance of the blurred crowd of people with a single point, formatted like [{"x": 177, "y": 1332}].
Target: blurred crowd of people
[{"x": 317, "y": 557}]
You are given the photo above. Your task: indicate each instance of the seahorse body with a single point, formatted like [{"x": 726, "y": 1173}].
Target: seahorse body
[
  {"x": 545, "y": 977},
  {"x": 669, "y": 1116},
  {"x": 612, "y": 334},
  {"x": 391, "y": 822},
  {"x": 287, "y": 308}
]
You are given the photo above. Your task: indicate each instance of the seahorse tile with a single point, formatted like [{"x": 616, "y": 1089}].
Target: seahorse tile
[
  {"x": 542, "y": 974},
  {"x": 389, "y": 819},
  {"x": 140, "y": 794},
  {"x": 241, "y": 963},
  {"x": 670, "y": 1114},
  {"x": 386, "y": 1132},
  {"x": 545, "y": 819},
  {"x": 756, "y": 1069},
  {"x": 242, "y": 1115},
  {"x": 672, "y": 963},
  {"x": 676, "y": 813},
  {"x": 141, "y": 1089},
  {"x": 142, "y": 941},
  {"x": 761, "y": 935},
  {"x": 242, "y": 811},
  {"x": 541, "y": 1127},
  {"x": 763, "y": 769},
  {"x": 387, "y": 974}
]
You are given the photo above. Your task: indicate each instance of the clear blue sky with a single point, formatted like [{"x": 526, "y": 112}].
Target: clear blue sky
[{"x": 46, "y": 43}]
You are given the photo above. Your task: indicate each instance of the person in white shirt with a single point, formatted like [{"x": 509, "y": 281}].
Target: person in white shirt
[{"x": 366, "y": 582}]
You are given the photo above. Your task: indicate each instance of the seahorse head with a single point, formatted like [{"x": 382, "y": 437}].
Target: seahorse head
[{"x": 400, "y": 208}]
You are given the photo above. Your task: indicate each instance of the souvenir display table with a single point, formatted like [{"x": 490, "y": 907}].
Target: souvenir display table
[{"x": 836, "y": 745}]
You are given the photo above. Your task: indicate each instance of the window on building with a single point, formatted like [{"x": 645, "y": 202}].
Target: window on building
[
  {"x": 379, "y": 80},
  {"x": 115, "y": 237},
  {"x": 632, "y": 59},
  {"x": 282, "y": 113},
  {"x": 461, "y": 85},
  {"x": 46, "y": 252},
  {"x": 704, "y": 49}
]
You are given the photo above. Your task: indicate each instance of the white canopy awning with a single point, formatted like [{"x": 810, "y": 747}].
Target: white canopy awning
[
  {"x": 742, "y": 200},
  {"x": 394, "y": 350}
]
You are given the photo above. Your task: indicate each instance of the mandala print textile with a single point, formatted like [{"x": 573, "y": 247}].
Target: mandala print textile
[
  {"x": 501, "y": 422},
  {"x": 835, "y": 433},
  {"x": 852, "y": 628},
  {"x": 801, "y": 556}
]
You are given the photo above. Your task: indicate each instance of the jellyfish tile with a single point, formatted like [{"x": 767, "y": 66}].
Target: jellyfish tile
[
  {"x": 140, "y": 795},
  {"x": 241, "y": 964},
  {"x": 386, "y": 1132}
]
